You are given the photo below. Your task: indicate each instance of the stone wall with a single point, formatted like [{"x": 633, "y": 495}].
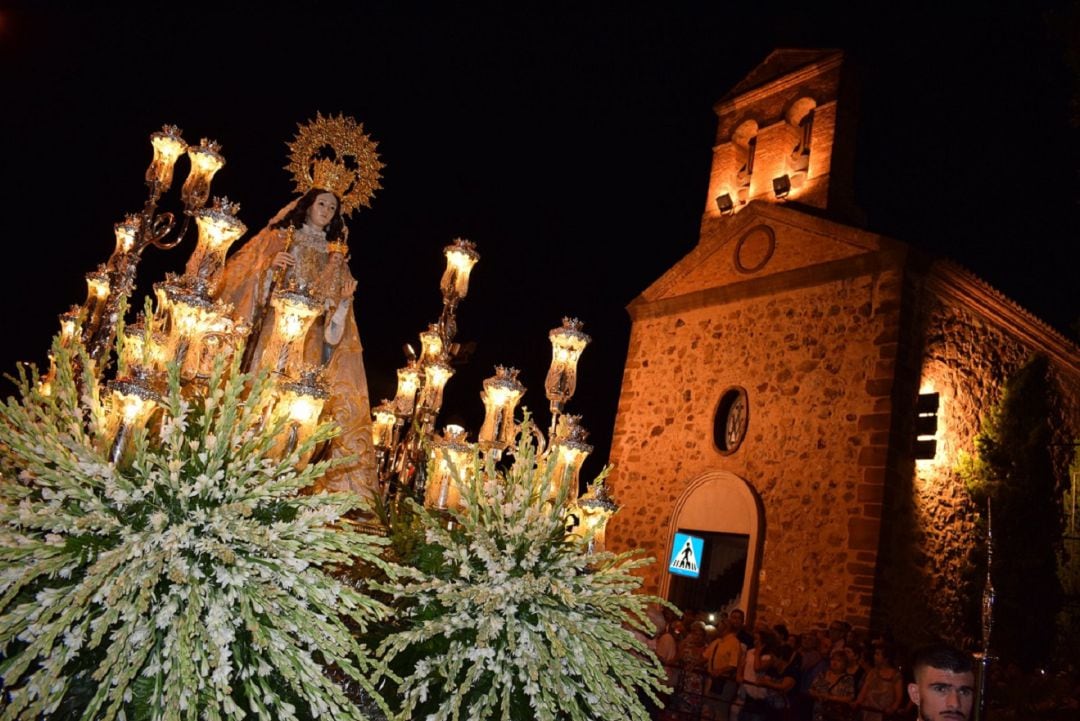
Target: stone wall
[
  {"x": 932, "y": 582},
  {"x": 817, "y": 365}
]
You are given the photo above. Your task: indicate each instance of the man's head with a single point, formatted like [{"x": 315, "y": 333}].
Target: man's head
[
  {"x": 737, "y": 618},
  {"x": 944, "y": 686}
]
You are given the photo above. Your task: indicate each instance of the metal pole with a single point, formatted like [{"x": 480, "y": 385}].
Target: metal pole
[{"x": 984, "y": 657}]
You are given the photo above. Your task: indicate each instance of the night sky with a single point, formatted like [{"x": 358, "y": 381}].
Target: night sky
[{"x": 572, "y": 144}]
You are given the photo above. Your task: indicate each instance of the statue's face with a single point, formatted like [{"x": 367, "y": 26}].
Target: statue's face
[{"x": 322, "y": 210}]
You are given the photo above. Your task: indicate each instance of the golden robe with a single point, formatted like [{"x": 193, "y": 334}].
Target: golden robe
[{"x": 246, "y": 283}]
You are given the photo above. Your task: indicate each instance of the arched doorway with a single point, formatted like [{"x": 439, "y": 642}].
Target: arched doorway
[{"x": 724, "y": 510}]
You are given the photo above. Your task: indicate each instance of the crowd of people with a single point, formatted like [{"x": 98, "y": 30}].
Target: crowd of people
[{"x": 720, "y": 669}]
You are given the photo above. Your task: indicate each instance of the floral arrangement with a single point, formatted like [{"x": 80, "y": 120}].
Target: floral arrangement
[
  {"x": 192, "y": 580},
  {"x": 516, "y": 619}
]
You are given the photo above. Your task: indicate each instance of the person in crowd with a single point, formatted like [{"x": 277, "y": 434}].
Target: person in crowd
[
  {"x": 756, "y": 659},
  {"x": 810, "y": 663},
  {"x": 691, "y": 646},
  {"x": 943, "y": 688},
  {"x": 780, "y": 680},
  {"x": 783, "y": 637},
  {"x": 833, "y": 690},
  {"x": 666, "y": 646},
  {"x": 837, "y": 634},
  {"x": 810, "y": 657},
  {"x": 722, "y": 658},
  {"x": 854, "y": 651},
  {"x": 738, "y": 621},
  {"x": 882, "y": 691}
]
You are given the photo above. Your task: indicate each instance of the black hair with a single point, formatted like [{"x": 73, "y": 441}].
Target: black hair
[
  {"x": 335, "y": 229},
  {"x": 943, "y": 656}
]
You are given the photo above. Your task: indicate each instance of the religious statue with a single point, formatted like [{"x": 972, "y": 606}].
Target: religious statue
[{"x": 294, "y": 274}]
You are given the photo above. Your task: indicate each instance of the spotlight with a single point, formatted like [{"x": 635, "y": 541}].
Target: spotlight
[
  {"x": 725, "y": 204},
  {"x": 781, "y": 186}
]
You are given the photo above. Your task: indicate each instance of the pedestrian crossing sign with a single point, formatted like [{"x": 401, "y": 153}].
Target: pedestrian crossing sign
[{"x": 686, "y": 555}]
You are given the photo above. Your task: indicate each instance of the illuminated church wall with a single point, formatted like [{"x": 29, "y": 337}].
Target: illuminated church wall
[
  {"x": 968, "y": 340},
  {"x": 814, "y": 353},
  {"x": 832, "y": 331}
]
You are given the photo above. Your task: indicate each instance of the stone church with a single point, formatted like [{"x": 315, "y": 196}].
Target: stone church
[{"x": 797, "y": 388}]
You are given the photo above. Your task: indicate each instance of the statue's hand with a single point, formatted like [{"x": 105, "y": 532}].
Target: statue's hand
[
  {"x": 348, "y": 287},
  {"x": 283, "y": 260}
]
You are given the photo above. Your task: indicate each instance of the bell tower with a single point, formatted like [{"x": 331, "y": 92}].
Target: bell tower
[{"x": 786, "y": 134}]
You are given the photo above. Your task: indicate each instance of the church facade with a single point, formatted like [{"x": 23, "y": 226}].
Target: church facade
[{"x": 797, "y": 389}]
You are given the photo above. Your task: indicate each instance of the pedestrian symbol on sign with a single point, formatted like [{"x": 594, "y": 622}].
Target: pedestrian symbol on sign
[{"x": 686, "y": 555}]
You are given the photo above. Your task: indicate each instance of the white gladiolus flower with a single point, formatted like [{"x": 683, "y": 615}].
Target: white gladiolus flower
[{"x": 175, "y": 563}]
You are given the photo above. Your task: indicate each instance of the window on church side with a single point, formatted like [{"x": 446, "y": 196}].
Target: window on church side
[
  {"x": 744, "y": 140},
  {"x": 800, "y": 119},
  {"x": 800, "y": 154},
  {"x": 746, "y": 170},
  {"x": 731, "y": 420}
]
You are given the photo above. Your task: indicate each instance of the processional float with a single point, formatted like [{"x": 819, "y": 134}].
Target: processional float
[{"x": 190, "y": 328}]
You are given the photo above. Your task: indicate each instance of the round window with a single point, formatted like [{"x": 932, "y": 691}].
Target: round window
[{"x": 732, "y": 415}]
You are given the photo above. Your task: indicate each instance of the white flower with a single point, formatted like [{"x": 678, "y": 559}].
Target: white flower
[{"x": 158, "y": 520}]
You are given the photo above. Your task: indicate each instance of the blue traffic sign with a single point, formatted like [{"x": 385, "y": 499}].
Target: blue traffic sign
[{"x": 686, "y": 555}]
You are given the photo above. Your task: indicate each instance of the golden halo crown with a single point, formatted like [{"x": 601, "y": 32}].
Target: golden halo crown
[{"x": 334, "y": 154}]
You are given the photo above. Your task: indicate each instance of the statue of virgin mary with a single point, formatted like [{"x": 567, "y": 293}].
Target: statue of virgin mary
[{"x": 303, "y": 252}]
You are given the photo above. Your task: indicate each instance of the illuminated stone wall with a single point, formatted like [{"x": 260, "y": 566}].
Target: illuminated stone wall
[
  {"x": 832, "y": 332},
  {"x": 854, "y": 527},
  {"x": 815, "y": 354},
  {"x": 969, "y": 341}
]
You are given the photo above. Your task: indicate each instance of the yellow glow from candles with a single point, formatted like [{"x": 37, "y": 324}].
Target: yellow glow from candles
[
  {"x": 452, "y": 453},
  {"x": 125, "y": 236},
  {"x": 294, "y": 313},
  {"x": 435, "y": 377},
  {"x": 98, "y": 285},
  {"x": 68, "y": 328},
  {"x": 293, "y": 317},
  {"x": 187, "y": 319},
  {"x": 382, "y": 429},
  {"x": 568, "y": 463},
  {"x": 299, "y": 406},
  {"x": 570, "y": 450},
  {"x": 205, "y": 162},
  {"x": 168, "y": 147},
  {"x": 217, "y": 231},
  {"x": 594, "y": 509},
  {"x": 134, "y": 348},
  {"x": 460, "y": 259},
  {"x": 567, "y": 345},
  {"x": 431, "y": 345},
  {"x": 134, "y": 407},
  {"x": 303, "y": 408},
  {"x": 500, "y": 396},
  {"x": 408, "y": 383},
  {"x": 595, "y": 522}
]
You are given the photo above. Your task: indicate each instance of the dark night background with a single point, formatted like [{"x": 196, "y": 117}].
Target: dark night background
[{"x": 571, "y": 143}]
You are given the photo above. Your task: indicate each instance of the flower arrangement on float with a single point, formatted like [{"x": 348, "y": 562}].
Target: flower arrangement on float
[
  {"x": 193, "y": 579},
  {"x": 168, "y": 549},
  {"x": 515, "y": 617}
]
